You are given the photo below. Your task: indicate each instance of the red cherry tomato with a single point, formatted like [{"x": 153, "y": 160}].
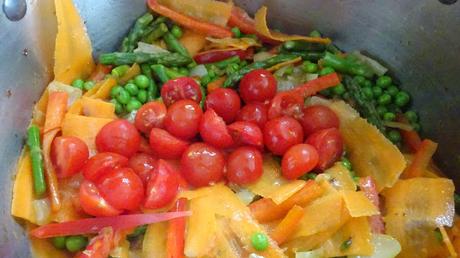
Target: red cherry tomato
[
  {"x": 225, "y": 102},
  {"x": 144, "y": 147},
  {"x": 118, "y": 136},
  {"x": 286, "y": 103},
  {"x": 244, "y": 166},
  {"x": 254, "y": 112},
  {"x": 318, "y": 117},
  {"x": 143, "y": 164},
  {"x": 166, "y": 146},
  {"x": 69, "y": 155},
  {"x": 329, "y": 144},
  {"x": 149, "y": 116},
  {"x": 258, "y": 85},
  {"x": 246, "y": 133},
  {"x": 282, "y": 133},
  {"x": 202, "y": 164},
  {"x": 92, "y": 202},
  {"x": 162, "y": 187},
  {"x": 122, "y": 188},
  {"x": 102, "y": 163},
  {"x": 298, "y": 160},
  {"x": 214, "y": 131},
  {"x": 180, "y": 88},
  {"x": 183, "y": 119}
]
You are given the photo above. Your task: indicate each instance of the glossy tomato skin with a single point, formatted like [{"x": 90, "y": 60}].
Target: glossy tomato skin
[
  {"x": 202, "y": 165},
  {"x": 93, "y": 203},
  {"x": 254, "y": 112},
  {"x": 244, "y": 166},
  {"x": 165, "y": 145},
  {"x": 225, "y": 102},
  {"x": 258, "y": 85},
  {"x": 143, "y": 164},
  {"x": 144, "y": 147},
  {"x": 299, "y": 160},
  {"x": 180, "y": 88},
  {"x": 122, "y": 188},
  {"x": 286, "y": 104},
  {"x": 102, "y": 163},
  {"x": 183, "y": 119},
  {"x": 214, "y": 131},
  {"x": 69, "y": 155},
  {"x": 318, "y": 117},
  {"x": 246, "y": 133},
  {"x": 282, "y": 133},
  {"x": 329, "y": 144},
  {"x": 118, "y": 136},
  {"x": 162, "y": 187},
  {"x": 149, "y": 116}
]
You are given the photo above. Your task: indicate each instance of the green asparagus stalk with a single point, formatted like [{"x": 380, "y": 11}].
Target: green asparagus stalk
[
  {"x": 155, "y": 33},
  {"x": 160, "y": 71},
  {"x": 224, "y": 63},
  {"x": 152, "y": 90},
  {"x": 38, "y": 174},
  {"x": 174, "y": 44},
  {"x": 118, "y": 58},
  {"x": 306, "y": 55},
  {"x": 348, "y": 66},
  {"x": 299, "y": 45},
  {"x": 173, "y": 74},
  {"x": 129, "y": 43}
]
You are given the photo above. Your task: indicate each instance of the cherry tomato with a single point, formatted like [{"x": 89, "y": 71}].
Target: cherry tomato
[
  {"x": 244, "y": 165},
  {"x": 329, "y": 144},
  {"x": 318, "y": 117},
  {"x": 225, "y": 102},
  {"x": 183, "y": 119},
  {"x": 144, "y": 147},
  {"x": 143, "y": 164},
  {"x": 92, "y": 202},
  {"x": 69, "y": 155},
  {"x": 118, "y": 136},
  {"x": 258, "y": 85},
  {"x": 202, "y": 164},
  {"x": 149, "y": 116},
  {"x": 122, "y": 188},
  {"x": 162, "y": 187},
  {"x": 246, "y": 133},
  {"x": 254, "y": 112},
  {"x": 298, "y": 160},
  {"x": 102, "y": 163},
  {"x": 180, "y": 88},
  {"x": 286, "y": 103},
  {"x": 282, "y": 133},
  {"x": 214, "y": 131},
  {"x": 166, "y": 146}
]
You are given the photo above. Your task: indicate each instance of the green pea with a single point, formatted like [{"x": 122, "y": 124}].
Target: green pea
[
  {"x": 118, "y": 106},
  {"x": 360, "y": 80},
  {"x": 384, "y": 99},
  {"x": 236, "y": 32},
  {"x": 289, "y": 70},
  {"x": 381, "y": 110},
  {"x": 142, "y": 96},
  {"x": 339, "y": 89},
  {"x": 123, "y": 96},
  {"x": 411, "y": 116},
  {"x": 88, "y": 85},
  {"x": 142, "y": 81},
  {"x": 115, "y": 90},
  {"x": 176, "y": 31},
  {"x": 326, "y": 70},
  {"x": 259, "y": 241},
  {"x": 377, "y": 91},
  {"x": 367, "y": 83},
  {"x": 76, "y": 243},
  {"x": 184, "y": 71},
  {"x": 402, "y": 99},
  {"x": 367, "y": 91},
  {"x": 59, "y": 242},
  {"x": 133, "y": 104},
  {"x": 389, "y": 116},
  {"x": 394, "y": 136},
  {"x": 78, "y": 83},
  {"x": 392, "y": 90},
  {"x": 132, "y": 89},
  {"x": 346, "y": 163},
  {"x": 315, "y": 34},
  {"x": 416, "y": 127},
  {"x": 309, "y": 67},
  {"x": 231, "y": 68},
  {"x": 384, "y": 81}
]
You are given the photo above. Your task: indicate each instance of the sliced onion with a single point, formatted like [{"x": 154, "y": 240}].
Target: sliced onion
[
  {"x": 199, "y": 71},
  {"x": 42, "y": 211},
  {"x": 384, "y": 247},
  {"x": 309, "y": 254},
  {"x": 149, "y": 48},
  {"x": 284, "y": 85},
  {"x": 398, "y": 125},
  {"x": 311, "y": 76},
  {"x": 72, "y": 92},
  {"x": 373, "y": 64},
  {"x": 261, "y": 56}
]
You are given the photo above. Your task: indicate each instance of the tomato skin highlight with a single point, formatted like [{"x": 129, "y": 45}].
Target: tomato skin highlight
[
  {"x": 258, "y": 85},
  {"x": 143, "y": 164},
  {"x": 329, "y": 144},
  {"x": 118, "y": 136},
  {"x": 93, "y": 203},
  {"x": 179, "y": 89},
  {"x": 318, "y": 117},
  {"x": 246, "y": 133},
  {"x": 165, "y": 145},
  {"x": 102, "y": 163},
  {"x": 162, "y": 186},
  {"x": 299, "y": 160},
  {"x": 183, "y": 119},
  {"x": 214, "y": 131},
  {"x": 149, "y": 116},
  {"x": 244, "y": 165},
  {"x": 254, "y": 112},
  {"x": 286, "y": 103},
  {"x": 225, "y": 102},
  {"x": 69, "y": 155},
  {"x": 202, "y": 165},
  {"x": 282, "y": 133}
]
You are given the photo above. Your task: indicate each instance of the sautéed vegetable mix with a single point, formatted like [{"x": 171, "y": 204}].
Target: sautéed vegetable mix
[{"x": 206, "y": 134}]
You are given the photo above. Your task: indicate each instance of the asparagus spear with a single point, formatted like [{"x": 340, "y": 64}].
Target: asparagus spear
[
  {"x": 306, "y": 55},
  {"x": 38, "y": 174},
  {"x": 224, "y": 63},
  {"x": 118, "y": 58},
  {"x": 298, "y": 45},
  {"x": 155, "y": 33},
  {"x": 130, "y": 41},
  {"x": 152, "y": 90},
  {"x": 174, "y": 44},
  {"x": 348, "y": 66},
  {"x": 160, "y": 71}
]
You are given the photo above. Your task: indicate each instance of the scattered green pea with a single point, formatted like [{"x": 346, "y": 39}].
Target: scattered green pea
[
  {"x": 389, "y": 116},
  {"x": 123, "y": 96},
  {"x": 118, "y": 106},
  {"x": 326, "y": 71},
  {"x": 88, "y": 85},
  {"x": 133, "y": 104},
  {"x": 76, "y": 243},
  {"x": 309, "y": 67},
  {"x": 377, "y": 91},
  {"x": 236, "y": 32},
  {"x": 367, "y": 91},
  {"x": 315, "y": 34},
  {"x": 184, "y": 71},
  {"x": 381, "y": 110},
  {"x": 367, "y": 83},
  {"x": 384, "y": 81},
  {"x": 411, "y": 116},
  {"x": 132, "y": 89},
  {"x": 142, "y": 96},
  {"x": 78, "y": 83},
  {"x": 416, "y": 127},
  {"x": 384, "y": 99},
  {"x": 59, "y": 242},
  {"x": 259, "y": 241},
  {"x": 339, "y": 89},
  {"x": 402, "y": 99},
  {"x": 176, "y": 31},
  {"x": 289, "y": 70},
  {"x": 360, "y": 80},
  {"x": 392, "y": 90},
  {"x": 142, "y": 81},
  {"x": 115, "y": 90},
  {"x": 394, "y": 136}
]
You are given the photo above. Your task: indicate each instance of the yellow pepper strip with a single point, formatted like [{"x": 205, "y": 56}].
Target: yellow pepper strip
[{"x": 283, "y": 64}]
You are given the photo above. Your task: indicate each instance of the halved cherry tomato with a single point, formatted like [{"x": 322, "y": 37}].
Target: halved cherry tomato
[
  {"x": 180, "y": 88},
  {"x": 149, "y": 116},
  {"x": 118, "y": 136},
  {"x": 246, "y": 133},
  {"x": 258, "y": 85},
  {"x": 122, "y": 188},
  {"x": 254, "y": 112},
  {"x": 99, "y": 246},
  {"x": 69, "y": 155},
  {"x": 166, "y": 146},
  {"x": 143, "y": 164},
  {"x": 217, "y": 55},
  {"x": 225, "y": 102},
  {"x": 183, "y": 119},
  {"x": 93, "y": 203},
  {"x": 282, "y": 133},
  {"x": 202, "y": 164},
  {"x": 144, "y": 147},
  {"x": 299, "y": 160},
  {"x": 318, "y": 117},
  {"x": 162, "y": 187},
  {"x": 286, "y": 103},
  {"x": 214, "y": 131},
  {"x": 244, "y": 166},
  {"x": 329, "y": 144},
  {"x": 102, "y": 163}
]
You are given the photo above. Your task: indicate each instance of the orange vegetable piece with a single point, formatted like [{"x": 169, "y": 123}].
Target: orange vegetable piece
[
  {"x": 55, "y": 111},
  {"x": 288, "y": 225},
  {"x": 421, "y": 159},
  {"x": 214, "y": 85},
  {"x": 410, "y": 138},
  {"x": 194, "y": 42}
]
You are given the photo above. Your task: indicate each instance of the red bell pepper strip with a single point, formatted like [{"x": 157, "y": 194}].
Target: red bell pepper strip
[
  {"x": 221, "y": 54},
  {"x": 312, "y": 87},
  {"x": 367, "y": 185},
  {"x": 239, "y": 18},
  {"x": 94, "y": 225},
  {"x": 99, "y": 246},
  {"x": 421, "y": 159},
  {"x": 175, "y": 239},
  {"x": 190, "y": 22},
  {"x": 410, "y": 138}
]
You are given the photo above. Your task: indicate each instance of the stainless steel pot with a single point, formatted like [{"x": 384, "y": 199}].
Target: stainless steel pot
[{"x": 418, "y": 40}]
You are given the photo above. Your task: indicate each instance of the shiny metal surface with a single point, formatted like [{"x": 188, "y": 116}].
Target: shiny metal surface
[{"x": 418, "y": 40}]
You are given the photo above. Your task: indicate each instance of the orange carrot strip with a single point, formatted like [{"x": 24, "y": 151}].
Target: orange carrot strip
[
  {"x": 55, "y": 111},
  {"x": 421, "y": 159},
  {"x": 175, "y": 239},
  {"x": 288, "y": 225},
  {"x": 216, "y": 84},
  {"x": 50, "y": 173},
  {"x": 410, "y": 138}
]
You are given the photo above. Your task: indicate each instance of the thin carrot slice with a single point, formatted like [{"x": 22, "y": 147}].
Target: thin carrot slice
[
  {"x": 50, "y": 173},
  {"x": 288, "y": 225},
  {"x": 55, "y": 111},
  {"x": 175, "y": 239},
  {"x": 216, "y": 84},
  {"x": 410, "y": 138},
  {"x": 421, "y": 159}
]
